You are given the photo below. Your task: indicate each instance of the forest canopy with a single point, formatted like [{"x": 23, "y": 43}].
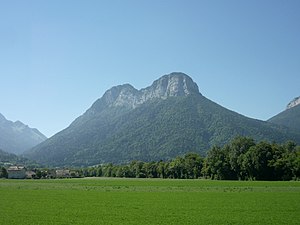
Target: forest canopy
[{"x": 241, "y": 159}]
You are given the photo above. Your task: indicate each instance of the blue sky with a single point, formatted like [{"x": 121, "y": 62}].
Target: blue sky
[{"x": 57, "y": 57}]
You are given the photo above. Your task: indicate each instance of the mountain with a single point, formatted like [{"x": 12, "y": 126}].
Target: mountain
[
  {"x": 289, "y": 117},
  {"x": 16, "y": 137},
  {"x": 168, "y": 118}
]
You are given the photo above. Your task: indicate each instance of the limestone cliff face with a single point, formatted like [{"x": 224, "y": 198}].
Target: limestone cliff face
[
  {"x": 293, "y": 103},
  {"x": 174, "y": 84},
  {"x": 122, "y": 95}
]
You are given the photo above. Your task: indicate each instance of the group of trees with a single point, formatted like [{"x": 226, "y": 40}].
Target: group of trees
[
  {"x": 186, "y": 167},
  {"x": 241, "y": 159},
  {"x": 244, "y": 159}
]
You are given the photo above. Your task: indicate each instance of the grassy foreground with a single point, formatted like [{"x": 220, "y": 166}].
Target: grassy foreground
[{"x": 148, "y": 201}]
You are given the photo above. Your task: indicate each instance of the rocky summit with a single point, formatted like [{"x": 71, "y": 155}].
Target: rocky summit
[
  {"x": 174, "y": 84},
  {"x": 168, "y": 118},
  {"x": 293, "y": 103}
]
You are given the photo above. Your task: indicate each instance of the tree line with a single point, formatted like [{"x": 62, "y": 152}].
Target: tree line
[{"x": 241, "y": 159}]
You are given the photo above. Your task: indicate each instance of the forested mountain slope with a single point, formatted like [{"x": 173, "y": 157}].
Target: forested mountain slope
[
  {"x": 289, "y": 117},
  {"x": 167, "y": 119}
]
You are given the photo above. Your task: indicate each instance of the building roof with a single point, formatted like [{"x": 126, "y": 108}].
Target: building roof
[{"x": 16, "y": 168}]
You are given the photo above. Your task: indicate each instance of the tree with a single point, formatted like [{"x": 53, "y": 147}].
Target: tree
[
  {"x": 193, "y": 164},
  {"x": 3, "y": 173},
  {"x": 176, "y": 168},
  {"x": 296, "y": 163},
  {"x": 38, "y": 174},
  {"x": 161, "y": 168},
  {"x": 99, "y": 171},
  {"x": 217, "y": 165},
  {"x": 289, "y": 163},
  {"x": 257, "y": 162},
  {"x": 108, "y": 170},
  {"x": 237, "y": 148},
  {"x": 150, "y": 169},
  {"x": 137, "y": 169}
]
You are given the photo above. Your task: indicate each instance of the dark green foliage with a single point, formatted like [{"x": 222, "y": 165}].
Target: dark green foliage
[
  {"x": 187, "y": 167},
  {"x": 237, "y": 148},
  {"x": 241, "y": 159},
  {"x": 289, "y": 118},
  {"x": 245, "y": 159},
  {"x": 217, "y": 164},
  {"x": 156, "y": 130},
  {"x": 3, "y": 172}
]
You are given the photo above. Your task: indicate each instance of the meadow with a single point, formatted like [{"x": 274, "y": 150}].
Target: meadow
[{"x": 148, "y": 201}]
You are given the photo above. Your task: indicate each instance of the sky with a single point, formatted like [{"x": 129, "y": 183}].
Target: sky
[{"x": 59, "y": 56}]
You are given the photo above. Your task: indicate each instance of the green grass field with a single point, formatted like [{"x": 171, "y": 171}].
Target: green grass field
[{"x": 148, "y": 201}]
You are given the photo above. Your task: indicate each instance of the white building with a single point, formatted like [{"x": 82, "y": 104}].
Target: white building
[{"x": 16, "y": 172}]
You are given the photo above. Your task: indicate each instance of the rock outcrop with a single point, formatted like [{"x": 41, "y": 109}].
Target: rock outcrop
[
  {"x": 171, "y": 85},
  {"x": 293, "y": 103}
]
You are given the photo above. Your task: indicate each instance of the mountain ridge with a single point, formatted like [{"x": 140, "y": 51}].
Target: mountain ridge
[
  {"x": 17, "y": 137},
  {"x": 174, "y": 84},
  {"x": 171, "y": 118},
  {"x": 290, "y": 117}
]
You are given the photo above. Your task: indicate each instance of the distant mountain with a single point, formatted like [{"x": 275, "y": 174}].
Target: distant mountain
[
  {"x": 16, "y": 137},
  {"x": 169, "y": 118},
  {"x": 289, "y": 117}
]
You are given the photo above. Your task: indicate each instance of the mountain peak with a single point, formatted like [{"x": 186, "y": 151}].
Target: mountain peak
[
  {"x": 170, "y": 85},
  {"x": 119, "y": 93},
  {"x": 293, "y": 103},
  {"x": 174, "y": 84}
]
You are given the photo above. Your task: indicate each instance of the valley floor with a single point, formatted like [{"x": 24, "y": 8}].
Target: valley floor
[{"x": 148, "y": 201}]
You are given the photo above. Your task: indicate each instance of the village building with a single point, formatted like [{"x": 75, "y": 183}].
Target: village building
[
  {"x": 16, "y": 172},
  {"x": 62, "y": 173}
]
